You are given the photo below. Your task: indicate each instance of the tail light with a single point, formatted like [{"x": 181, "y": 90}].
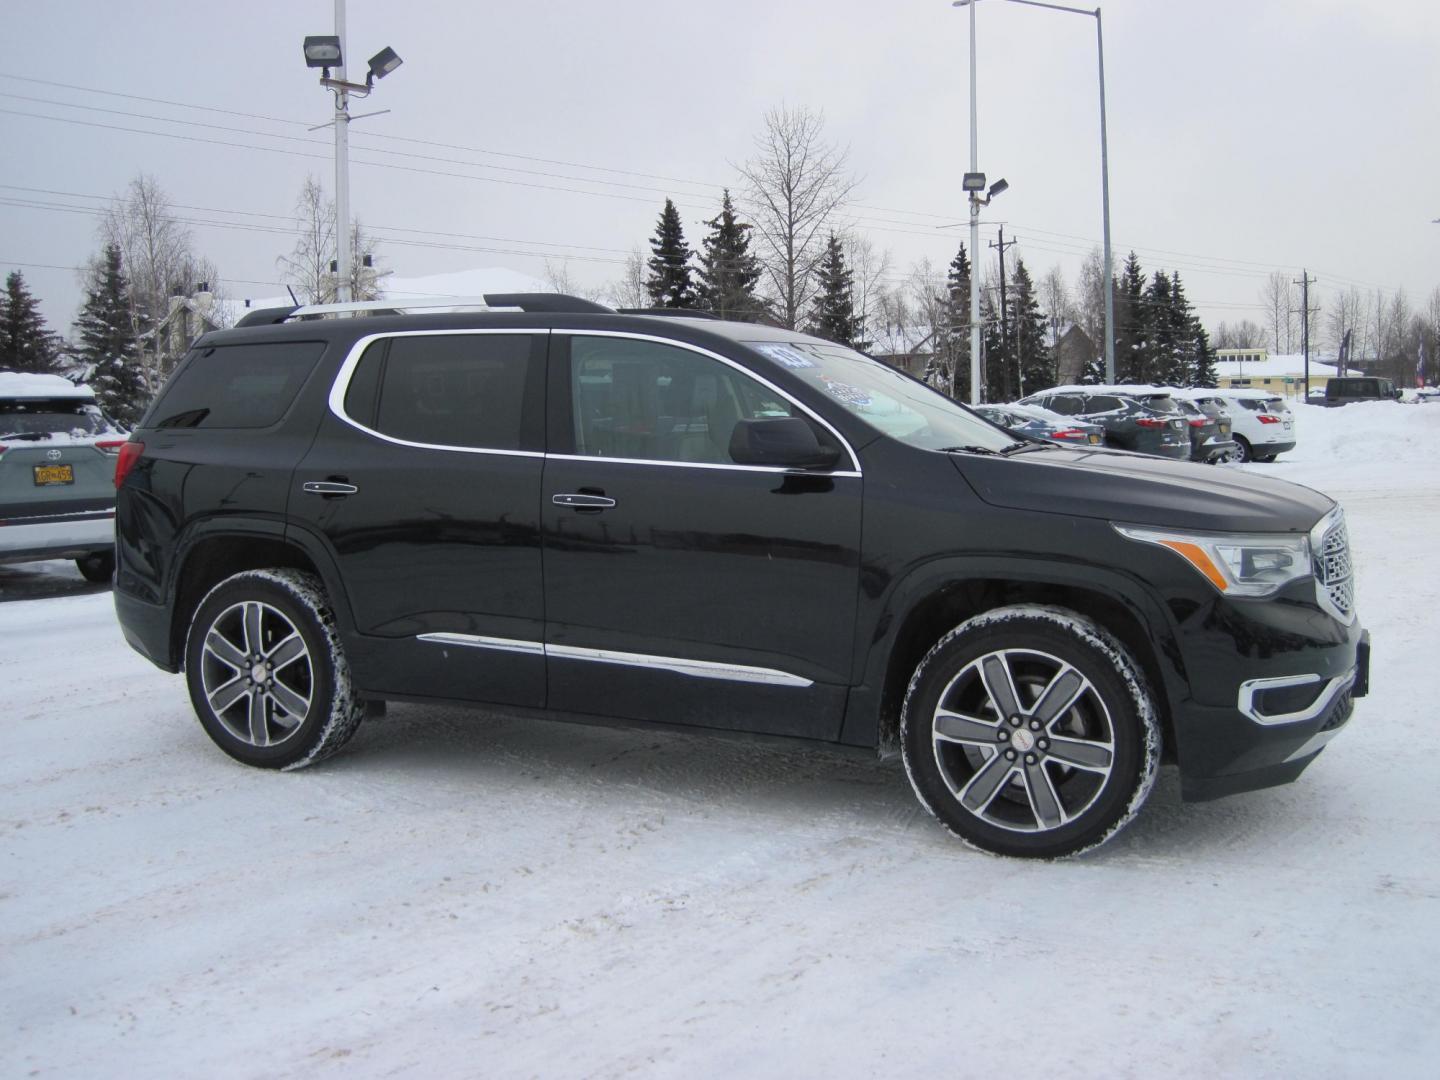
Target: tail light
[
  {"x": 130, "y": 454},
  {"x": 1151, "y": 422},
  {"x": 1266, "y": 418},
  {"x": 1069, "y": 433},
  {"x": 1198, "y": 423},
  {"x": 110, "y": 446}
]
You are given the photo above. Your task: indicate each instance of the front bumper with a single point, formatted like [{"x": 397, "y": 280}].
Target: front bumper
[
  {"x": 1254, "y": 745},
  {"x": 57, "y": 536}
]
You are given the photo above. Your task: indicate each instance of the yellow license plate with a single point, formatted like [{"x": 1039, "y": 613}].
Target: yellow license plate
[
  {"x": 45, "y": 475},
  {"x": 1094, "y": 440}
]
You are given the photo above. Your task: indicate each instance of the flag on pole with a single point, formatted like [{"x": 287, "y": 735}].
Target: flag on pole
[{"x": 1420, "y": 366}]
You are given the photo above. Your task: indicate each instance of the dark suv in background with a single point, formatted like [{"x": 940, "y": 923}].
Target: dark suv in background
[
  {"x": 1145, "y": 420},
  {"x": 722, "y": 526}
]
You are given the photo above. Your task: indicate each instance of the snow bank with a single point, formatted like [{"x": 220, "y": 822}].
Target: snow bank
[{"x": 1368, "y": 446}]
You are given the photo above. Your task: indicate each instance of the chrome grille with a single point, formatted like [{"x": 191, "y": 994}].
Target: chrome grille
[{"x": 1334, "y": 574}]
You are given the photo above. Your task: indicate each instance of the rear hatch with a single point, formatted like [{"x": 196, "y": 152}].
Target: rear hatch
[{"x": 57, "y": 456}]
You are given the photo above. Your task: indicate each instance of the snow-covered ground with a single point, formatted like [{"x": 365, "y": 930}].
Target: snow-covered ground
[{"x": 461, "y": 893}]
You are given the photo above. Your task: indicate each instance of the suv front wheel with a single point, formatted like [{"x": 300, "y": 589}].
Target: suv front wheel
[
  {"x": 1030, "y": 731},
  {"x": 266, "y": 671}
]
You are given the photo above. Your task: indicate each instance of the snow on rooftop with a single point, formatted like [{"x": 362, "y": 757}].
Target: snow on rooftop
[
  {"x": 24, "y": 384},
  {"x": 1291, "y": 364}
]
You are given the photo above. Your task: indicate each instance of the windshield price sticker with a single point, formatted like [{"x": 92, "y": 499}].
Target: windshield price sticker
[
  {"x": 784, "y": 354},
  {"x": 846, "y": 394}
]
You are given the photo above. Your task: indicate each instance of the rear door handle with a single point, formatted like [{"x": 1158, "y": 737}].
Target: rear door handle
[
  {"x": 583, "y": 502},
  {"x": 328, "y": 487}
]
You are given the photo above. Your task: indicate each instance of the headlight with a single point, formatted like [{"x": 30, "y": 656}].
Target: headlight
[{"x": 1238, "y": 564}]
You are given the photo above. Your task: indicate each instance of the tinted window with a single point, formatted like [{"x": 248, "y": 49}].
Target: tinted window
[
  {"x": 1158, "y": 402},
  {"x": 236, "y": 386},
  {"x": 1103, "y": 403},
  {"x": 58, "y": 417},
  {"x": 1066, "y": 405},
  {"x": 444, "y": 389},
  {"x": 645, "y": 400}
]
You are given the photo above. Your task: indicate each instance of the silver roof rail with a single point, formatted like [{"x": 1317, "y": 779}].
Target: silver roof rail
[{"x": 548, "y": 302}]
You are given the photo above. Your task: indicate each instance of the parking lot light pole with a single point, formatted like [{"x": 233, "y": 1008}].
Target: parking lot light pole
[{"x": 1104, "y": 169}]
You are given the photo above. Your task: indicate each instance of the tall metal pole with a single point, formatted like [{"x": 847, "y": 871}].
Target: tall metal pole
[
  {"x": 1105, "y": 204},
  {"x": 342, "y": 170},
  {"x": 974, "y": 232}
]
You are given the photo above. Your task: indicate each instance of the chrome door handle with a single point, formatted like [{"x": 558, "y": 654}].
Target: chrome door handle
[
  {"x": 592, "y": 502},
  {"x": 328, "y": 487}
]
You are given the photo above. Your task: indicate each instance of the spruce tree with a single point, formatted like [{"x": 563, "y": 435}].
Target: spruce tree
[
  {"x": 25, "y": 342},
  {"x": 832, "y": 312},
  {"x": 1160, "y": 361},
  {"x": 953, "y": 345},
  {"x": 669, "y": 283},
  {"x": 1131, "y": 324},
  {"x": 728, "y": 271},
  {"x": 1198, "y": 358},
  {"x": 994, "y": 356},
  {"x": 1035, "y": 359},
  {"x": 108, "y": 343}
]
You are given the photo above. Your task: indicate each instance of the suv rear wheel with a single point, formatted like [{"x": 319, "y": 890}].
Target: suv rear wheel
[
  {"x": 267, "y": 675},
  {"x": 1030, "y": 731}
]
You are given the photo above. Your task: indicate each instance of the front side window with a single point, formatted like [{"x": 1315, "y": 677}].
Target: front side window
[
  {"x": 648, "y": 401},
  {"x": 461, "y": 390},
  {"x": 882, "y": 397}
]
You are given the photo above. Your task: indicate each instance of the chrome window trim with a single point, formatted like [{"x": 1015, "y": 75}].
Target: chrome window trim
[
  {"x": 632, "y": 335},
  {"x": 341, "y": 386},
  {"x": 1251, "y": 687},
  {"x": 698, "y": 669}
]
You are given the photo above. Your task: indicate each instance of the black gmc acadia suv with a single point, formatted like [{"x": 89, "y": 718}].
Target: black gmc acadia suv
[{"x": 727, "y": 526}]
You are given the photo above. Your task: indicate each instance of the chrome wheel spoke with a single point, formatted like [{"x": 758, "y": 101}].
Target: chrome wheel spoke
[
  {"x": 220, "y": 647},
  {"x": 1044, "y": 799},
  {"x": 995, "y": 672},
  {"x": 259, "y": 729},
  {"x": 287, "y": 652},
  {"x": 959, "y": 728},
  {"x": 293, "y": 703},
  {"x": 251, "y": 616},
  {"x": 988, "y": 779},
  {"x": 1059, "y": 696},
  {"x": 226, "y": 694},
  {"x": 1094, "y": 757}
]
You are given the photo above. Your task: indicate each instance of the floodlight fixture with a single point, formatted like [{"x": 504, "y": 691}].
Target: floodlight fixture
[
  {"x": 382, "y": 64},
  {"x": 322, "y": 51},
  {"x": 973, "y": 181},
  {"x": 996, "y": 188}
]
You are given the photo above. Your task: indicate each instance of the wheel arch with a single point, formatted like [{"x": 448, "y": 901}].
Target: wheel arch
[
  {"x": 215, "y": 550},
  {"x": 936, "y": 599}
]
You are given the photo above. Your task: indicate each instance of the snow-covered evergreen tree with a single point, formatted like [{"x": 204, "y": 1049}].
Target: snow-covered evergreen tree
[
  {"x": 728, "y": 270},
  {"x": 952, "y": 347},
  {"x": 669, "y": 283},
  {"x": 832, "y": 312},
  {"x": 108, "y": 343},
  {"x": 26, "y": 344},
  {"x": 1160, "y": 361},
  {"x": 1034, "y": 357},
  {"x": 1131, "y": 323}
]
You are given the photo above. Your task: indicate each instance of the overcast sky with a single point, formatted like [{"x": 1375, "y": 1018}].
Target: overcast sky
[{"x": 1245, "y": 135}]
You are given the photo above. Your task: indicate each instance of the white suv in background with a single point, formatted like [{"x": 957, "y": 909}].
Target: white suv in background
[{"x": 1260, "y": 421}]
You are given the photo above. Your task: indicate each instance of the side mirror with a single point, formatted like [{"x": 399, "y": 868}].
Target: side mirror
[{"x": 785, "y": 441}]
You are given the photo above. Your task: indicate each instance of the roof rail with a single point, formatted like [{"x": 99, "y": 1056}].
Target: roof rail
[
  {"x": 546, "y": 302},
  {"x": 673, "y": 313}
]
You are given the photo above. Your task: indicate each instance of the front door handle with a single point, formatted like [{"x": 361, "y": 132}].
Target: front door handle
[
  {"x": 583, "y": 502},
  {"x": 328, "y": 487}
]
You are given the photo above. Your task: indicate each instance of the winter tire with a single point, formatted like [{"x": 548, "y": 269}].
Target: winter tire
[
  {"x": 1265, "y": 459},
  {"x": 267, "y": 675},
  {"x": 98, "y": 567},
  {"x": 1242, "y": 449},
  {"x": 1030, "y": 731}
]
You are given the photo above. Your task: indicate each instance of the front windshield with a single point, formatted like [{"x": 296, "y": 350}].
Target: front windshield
[{"x": 888, "y": 401}]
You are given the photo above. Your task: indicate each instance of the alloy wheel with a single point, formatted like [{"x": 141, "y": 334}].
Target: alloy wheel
[{"x": 257, "y": 674}]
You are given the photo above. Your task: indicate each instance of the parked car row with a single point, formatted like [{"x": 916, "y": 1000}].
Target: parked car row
[
  {"x": 1195, "y": 424},
  {"x": 57, "y": 466}
]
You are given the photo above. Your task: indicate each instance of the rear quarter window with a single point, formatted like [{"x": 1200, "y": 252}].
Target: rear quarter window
[{"x": 235, "y": 386}]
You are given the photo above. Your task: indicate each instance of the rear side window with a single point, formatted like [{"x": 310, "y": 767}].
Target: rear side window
[
  {"x": 236, "y": 386},
  {"x": 1066, "y": 405},
  {"x": 462, "y": 390},
  {"x": 1103, "y": 403}
]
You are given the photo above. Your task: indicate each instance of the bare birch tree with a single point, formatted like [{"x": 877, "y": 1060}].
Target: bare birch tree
[
  {"x": 797, "y": 183},
  {"x": 308, "y": 267},
  {"x": 1277, "y": 294},
  {"x": 629, "y": 291},
  {"x": 1090, "y": 300},
  {"x": 868, "y": 268}
]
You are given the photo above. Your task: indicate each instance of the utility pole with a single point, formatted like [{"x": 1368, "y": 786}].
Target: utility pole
[
  {"x": 1001, "y": 245},
  {"x": 975, "y": 397},
  {"x": 1305, "y": 282}
]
